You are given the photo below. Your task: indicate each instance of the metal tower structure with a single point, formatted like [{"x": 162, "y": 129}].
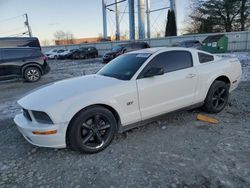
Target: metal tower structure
[
  {"x": 117, "y": 18},
  {"x": 131, "y": 6},
  {"x": 104, "y": 19},
  {"x": 141, "y": 17}
]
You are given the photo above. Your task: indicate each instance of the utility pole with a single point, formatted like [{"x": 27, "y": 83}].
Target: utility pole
[{"x": 26, "y": 23}]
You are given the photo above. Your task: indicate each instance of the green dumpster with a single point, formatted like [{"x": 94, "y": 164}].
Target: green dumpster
[{"x": 215, "y": 44}]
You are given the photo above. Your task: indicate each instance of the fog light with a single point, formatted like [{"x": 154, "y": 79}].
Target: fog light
[{"x": 45, "y": 133}]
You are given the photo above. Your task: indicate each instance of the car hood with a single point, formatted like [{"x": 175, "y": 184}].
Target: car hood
[{"x": 64, "y": 90}]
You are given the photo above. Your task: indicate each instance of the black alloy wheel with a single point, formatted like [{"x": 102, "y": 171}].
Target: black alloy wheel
[
  {"x": 217, "y": 97},
  {"x": 92, "y": 130}
]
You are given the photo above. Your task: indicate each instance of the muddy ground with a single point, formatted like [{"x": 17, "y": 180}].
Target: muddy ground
[{"x": 176, "y": 151}]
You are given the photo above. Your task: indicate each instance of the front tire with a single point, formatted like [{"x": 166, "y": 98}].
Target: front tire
[
  {"x": 217, "y": 97},
  {"x": 92, "y": 130},
  {"x": 32, "y": 74}
]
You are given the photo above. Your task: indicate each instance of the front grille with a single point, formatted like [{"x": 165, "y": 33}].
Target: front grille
[{"x": 26, "y": 114}]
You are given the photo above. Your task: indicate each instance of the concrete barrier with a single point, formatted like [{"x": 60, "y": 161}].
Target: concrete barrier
[{"x": 238, "y": 41}]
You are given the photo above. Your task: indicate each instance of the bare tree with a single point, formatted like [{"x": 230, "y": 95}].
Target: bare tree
[
  {"x": 244, "y": 14},
  {"x": 46, "y": 42},
  {"x": 59, "y": 35},
  {"x": 64, "y": 37}
]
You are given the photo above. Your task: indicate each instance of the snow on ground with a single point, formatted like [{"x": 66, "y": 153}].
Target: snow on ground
[{"x": 244, "y": 58}]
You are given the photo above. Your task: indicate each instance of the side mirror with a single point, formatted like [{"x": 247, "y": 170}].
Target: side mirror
[{"x": 153, "y": 71}]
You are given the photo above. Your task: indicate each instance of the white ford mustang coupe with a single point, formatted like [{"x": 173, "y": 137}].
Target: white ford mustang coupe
[{"x": 85, "y": 112}]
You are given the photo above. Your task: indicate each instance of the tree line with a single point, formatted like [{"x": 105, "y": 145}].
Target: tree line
[{"x": 209, "y": 16}]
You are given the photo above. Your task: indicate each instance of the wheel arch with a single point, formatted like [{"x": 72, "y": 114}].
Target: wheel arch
[
  {"x": 110, "y": 108},
  {"x": 222, "y": 78},
  {"x": 32, "y": 64}
]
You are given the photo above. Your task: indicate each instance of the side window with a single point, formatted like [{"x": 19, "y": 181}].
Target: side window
[
  {"x": 172, "y": 61},
  {"x": 204, "y": 58},
  {"x": 13, "y": 54}
]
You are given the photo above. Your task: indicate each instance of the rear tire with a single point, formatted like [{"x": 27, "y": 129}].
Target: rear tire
[
  {"x": 92, "y": 130},
  {"x": 217, "y": 97},
  {"x": 32, "y": 74}
]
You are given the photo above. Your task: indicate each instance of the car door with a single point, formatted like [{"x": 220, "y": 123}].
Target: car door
[
  {"x": 7, "y": 62},
  {"x": 1, "y": 64},
  {"x": 172, "y": 90},
  {"x": 13, "y": 59}
]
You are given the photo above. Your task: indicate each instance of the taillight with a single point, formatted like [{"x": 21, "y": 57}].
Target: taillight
[{"x": 44, "y": 58}]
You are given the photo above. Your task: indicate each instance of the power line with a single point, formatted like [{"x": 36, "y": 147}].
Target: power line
[
  {"x": 123, "y": 13},
  {"x": 19, "y": 34},
  {"x": 7, "y": 19},
  {"x": 12, "y": 30}
]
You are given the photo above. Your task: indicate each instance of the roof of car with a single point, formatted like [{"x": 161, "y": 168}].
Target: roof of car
[
  {"x": 18, "y": 38},
  {"x": 148, "y": 50},
  {"x": 156, "y": 49}
]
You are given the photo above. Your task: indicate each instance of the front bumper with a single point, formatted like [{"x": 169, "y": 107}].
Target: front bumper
[{"x": 26, "y": 127}]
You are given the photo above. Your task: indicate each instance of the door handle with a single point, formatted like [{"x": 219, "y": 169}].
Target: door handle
[{"x": 190, "y": 75}]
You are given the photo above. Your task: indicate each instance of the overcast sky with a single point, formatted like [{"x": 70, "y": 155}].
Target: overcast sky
[{"x": 81, "y": 17}]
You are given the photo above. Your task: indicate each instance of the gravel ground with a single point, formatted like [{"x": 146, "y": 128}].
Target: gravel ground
[{"x": 176, "y": 151}]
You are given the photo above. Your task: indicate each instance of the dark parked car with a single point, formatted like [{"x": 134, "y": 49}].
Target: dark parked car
[
  {"x": 28, "y": 63},
  {"x": 85, "y": 53},
  {"x": 67, "y": 54},
  {"x": 189, "y": 44},
  {"x": 123, "y": 48}
]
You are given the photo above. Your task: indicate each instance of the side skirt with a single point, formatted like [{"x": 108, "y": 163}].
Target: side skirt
[{"x": 150, "y": 120}]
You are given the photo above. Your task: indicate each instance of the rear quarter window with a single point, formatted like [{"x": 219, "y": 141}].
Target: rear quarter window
[{"x": 204, "y": 58}]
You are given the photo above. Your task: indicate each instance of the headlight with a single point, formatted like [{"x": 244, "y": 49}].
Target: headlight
[
  {"x": 42, "y": 117},
  {"x": 26, "y": 114}
]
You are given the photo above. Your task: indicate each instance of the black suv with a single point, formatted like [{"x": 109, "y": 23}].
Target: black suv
[
  {"x": 27, "y": 62},
  {"x": 123, "y": 48}
]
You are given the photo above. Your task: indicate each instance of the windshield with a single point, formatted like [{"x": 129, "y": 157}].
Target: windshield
[
  {"x": 116, "y": 48},
  {"x": 125, "y": 66}
]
